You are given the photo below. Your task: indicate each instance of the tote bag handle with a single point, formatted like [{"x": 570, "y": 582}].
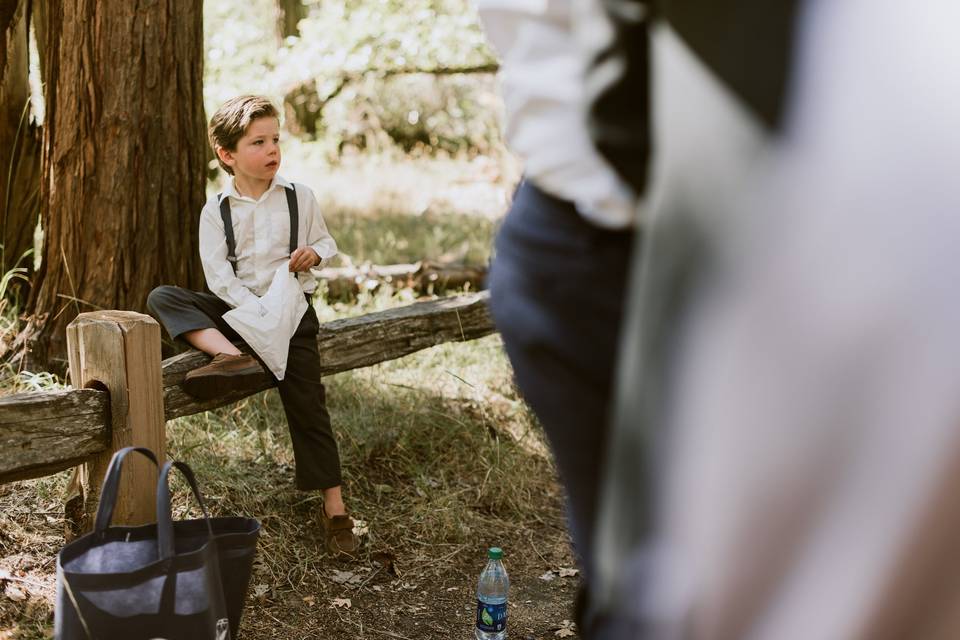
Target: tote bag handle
[
  {"x": 165, "y": 542},
  {"x": 111, "y": 487}
]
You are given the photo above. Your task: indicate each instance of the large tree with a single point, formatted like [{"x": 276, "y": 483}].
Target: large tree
[
  {"x": 289, "y": 15},
  {"x": 19, "y": 139},
  {"x": 123, "y": 172}
]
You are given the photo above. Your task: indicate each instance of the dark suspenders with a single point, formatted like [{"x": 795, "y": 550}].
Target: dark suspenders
[{"x": 228, "y": 224}]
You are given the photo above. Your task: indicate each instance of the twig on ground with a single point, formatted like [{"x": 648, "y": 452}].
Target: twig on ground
[{"x": 389, "y": 633}]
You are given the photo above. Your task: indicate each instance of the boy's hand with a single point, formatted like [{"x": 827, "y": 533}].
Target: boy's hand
[{"x": 303, "y": 259}]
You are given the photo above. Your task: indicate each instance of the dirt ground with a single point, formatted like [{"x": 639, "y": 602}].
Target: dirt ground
[
  {"x": 374, "y": 599},
  {"x": 376, "y": 596},
  {"x": 441, "y": 461}
]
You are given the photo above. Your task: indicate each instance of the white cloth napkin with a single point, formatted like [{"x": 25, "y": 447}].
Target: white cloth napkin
[{"x": 268, "y": 323}]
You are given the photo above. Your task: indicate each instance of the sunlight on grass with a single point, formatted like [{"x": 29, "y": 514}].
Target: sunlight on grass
[
  {"x": 418, "y": 446},
  {"x": 396, "y": 237}
]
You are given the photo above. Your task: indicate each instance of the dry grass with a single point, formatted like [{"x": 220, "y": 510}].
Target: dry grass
[
  {"x": 425, "y": 459},
  {"x": 440, "y": 458}
]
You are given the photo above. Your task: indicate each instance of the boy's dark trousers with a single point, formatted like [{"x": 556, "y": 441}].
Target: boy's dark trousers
[{"x": 301, "y": 391}]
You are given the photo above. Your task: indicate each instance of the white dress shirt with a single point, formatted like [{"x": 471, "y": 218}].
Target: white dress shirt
[
  {"x": 262, "y": 231},
  {"x": 542, "y": 81}
]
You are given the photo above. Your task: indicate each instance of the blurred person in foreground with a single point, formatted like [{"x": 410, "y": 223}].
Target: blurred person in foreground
[
  {"x": 559, "y": 275},
  {"x": 792, "y": 364}
]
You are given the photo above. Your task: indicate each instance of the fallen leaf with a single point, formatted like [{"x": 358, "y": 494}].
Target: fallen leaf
[
  {"x": 567, "y": 630},
  {"x": 548, "y": 576},
  {"x": 360, "y": 528},
  {"x": 15, "y": 593},
  {"x": 310, "y": 600},
  {"x": 453, "y": 588},
  {"x": 341, "y": 602},
  {"x": 346, "y": 577},
  {"x": 260, "y": 590},
  {"x": 567, "y": 572}
]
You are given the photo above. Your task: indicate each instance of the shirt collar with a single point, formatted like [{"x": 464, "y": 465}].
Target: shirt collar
[{"x": 231, "y": 189}]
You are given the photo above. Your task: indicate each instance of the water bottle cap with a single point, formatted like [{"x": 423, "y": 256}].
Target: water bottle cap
[{"x": 495, "y": 553}]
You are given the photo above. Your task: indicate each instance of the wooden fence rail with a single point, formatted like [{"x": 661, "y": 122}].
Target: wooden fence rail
[
  {"x": 49, "y": 431},
  {"x": 45, "y": 432}
]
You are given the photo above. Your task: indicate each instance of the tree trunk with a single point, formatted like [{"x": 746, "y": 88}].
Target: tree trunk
[
  {"x": 123, "y": 161},
  {"x": 19, "y": 140},
  {"x": 289, "y": 15}
]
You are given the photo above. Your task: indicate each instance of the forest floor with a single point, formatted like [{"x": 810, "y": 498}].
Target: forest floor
[
  {"x": 441, "y": 460},
  {"x": 437, "y": 470}
]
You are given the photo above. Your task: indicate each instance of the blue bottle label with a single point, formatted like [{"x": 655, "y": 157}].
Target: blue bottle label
[{"x": 491, "y": 617}]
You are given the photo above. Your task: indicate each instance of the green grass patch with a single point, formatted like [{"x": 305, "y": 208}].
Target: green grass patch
[{"x": 396, "y": 236}]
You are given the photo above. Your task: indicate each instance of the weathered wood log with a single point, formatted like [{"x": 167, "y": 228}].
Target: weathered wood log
[
  {"x": 352, "y": 343},
  {"x": 49, "y": 431},
  {"x": 121, "y": 351},
  {"x": 45, "y": 432},
  {"x": 424, "y": 276}
]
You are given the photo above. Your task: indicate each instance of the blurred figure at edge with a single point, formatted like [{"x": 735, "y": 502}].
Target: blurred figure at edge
[{"x": 785, "y": 455}]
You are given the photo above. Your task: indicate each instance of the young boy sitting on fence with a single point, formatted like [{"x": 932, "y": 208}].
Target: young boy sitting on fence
[{"x": 257, "y": 224}]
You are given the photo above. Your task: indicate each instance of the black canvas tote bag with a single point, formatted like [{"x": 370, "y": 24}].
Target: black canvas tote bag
[
  {"x": 153, "y": 581},
  {"x": 236, "y": 546}
]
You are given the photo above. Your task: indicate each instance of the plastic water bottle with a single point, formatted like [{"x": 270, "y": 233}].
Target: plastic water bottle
[{"x": 492, "y": 598}]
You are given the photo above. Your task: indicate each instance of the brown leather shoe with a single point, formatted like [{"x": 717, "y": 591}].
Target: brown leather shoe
[
  {"x": 225, "y": 373},
  {"x": 338, "y": 535}
]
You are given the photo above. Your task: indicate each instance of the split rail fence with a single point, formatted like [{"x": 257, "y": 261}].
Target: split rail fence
[{"x": 124, "y": 393}]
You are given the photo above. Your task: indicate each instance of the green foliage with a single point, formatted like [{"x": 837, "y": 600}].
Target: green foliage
[
  {"x": 353, "y": 79},
  {"x": 10, "y": 299},
  {"x": 358, "y": 36},
  {"x": 241, "y": 50},
  {"x": 419, "y": 113},
  {"x": 12, "y": 276},
  {"x": 398, "y": 237}
]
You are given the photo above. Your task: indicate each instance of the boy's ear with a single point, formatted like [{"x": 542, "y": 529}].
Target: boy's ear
[{"x": 225, "y": 156}]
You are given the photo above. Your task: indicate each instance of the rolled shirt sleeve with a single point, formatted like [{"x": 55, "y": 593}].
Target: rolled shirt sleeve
[{"x": 317, "y": 236}]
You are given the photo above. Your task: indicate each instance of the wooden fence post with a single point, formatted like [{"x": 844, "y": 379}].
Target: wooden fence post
[{"x": 120, "y": 350}]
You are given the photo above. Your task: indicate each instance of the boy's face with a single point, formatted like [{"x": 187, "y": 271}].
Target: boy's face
[{"x": 257, "y": 156}]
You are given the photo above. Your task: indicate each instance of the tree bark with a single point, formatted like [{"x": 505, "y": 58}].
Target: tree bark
[
  {"x": 123, "y": 170},
  {"x": 19, "y": 140},
  {"x": 289, "y": 15}
]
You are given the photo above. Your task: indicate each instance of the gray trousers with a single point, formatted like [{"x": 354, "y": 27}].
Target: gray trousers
[{"x": 301, "y": 391}]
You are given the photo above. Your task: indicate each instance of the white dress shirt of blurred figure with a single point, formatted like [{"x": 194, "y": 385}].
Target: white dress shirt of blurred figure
[{"x": 542, "y": 83}]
